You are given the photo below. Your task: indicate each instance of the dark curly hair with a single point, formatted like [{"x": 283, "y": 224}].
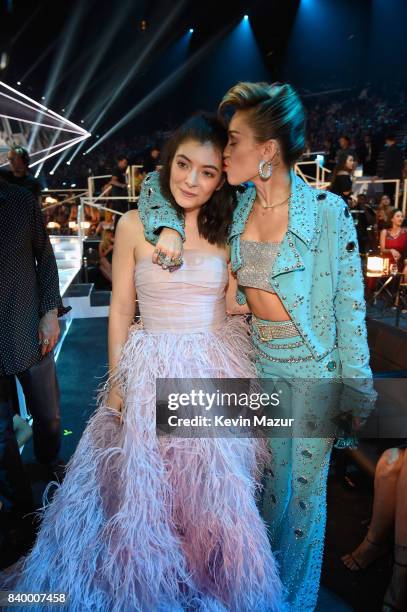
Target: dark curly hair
[{"x": 215, "y": 216}]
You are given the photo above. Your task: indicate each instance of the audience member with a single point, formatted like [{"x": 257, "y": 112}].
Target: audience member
[
  {"x": 393, "y": 241},
  {"x": 389, "y": 520},
  {"x": 19, "y": 174},
  {"x": 393, "y": 165},
  {"x": 152, "y": 160},
  {"x": 342, "y": 177}
]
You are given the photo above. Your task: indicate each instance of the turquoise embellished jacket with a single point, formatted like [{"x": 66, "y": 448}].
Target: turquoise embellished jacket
[{"x": 316, "y": 274}]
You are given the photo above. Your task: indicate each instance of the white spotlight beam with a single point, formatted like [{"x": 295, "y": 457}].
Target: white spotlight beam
[
  {"x": 43, "y": 108},
  {"x": 60, "y": 57},
  {"x": 147, "y": 51},
  {"x": 164, "y": 85},
  {"x": 38, "y": 161},
  {"x": 20, "y": 103},
  {"x": 39, "y": 123},
  {"x": 103, "y": 47},
  {"x": 75, "y": 153}
]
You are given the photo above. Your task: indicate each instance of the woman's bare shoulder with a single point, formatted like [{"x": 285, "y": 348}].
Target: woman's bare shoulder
[{"x": 130, "y": 225}]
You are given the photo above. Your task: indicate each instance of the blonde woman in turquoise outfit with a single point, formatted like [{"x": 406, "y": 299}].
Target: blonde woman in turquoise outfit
[{"x": 294, "y": 252}]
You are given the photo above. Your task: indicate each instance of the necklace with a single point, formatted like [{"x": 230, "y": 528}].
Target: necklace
[
  {"x": 274, "y": 205},
  {"x": 395, "y": 236}
]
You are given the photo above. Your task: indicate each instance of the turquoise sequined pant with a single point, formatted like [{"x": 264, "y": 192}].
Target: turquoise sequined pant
[{"x": 293, "y": 503}]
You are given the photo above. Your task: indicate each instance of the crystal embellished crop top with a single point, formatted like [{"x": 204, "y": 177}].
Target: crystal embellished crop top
[{"x": 257, "y": 262}]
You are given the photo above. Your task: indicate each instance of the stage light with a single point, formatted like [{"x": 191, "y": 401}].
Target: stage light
[
  {"x": 18, "y": 82},
  {"x": 246, "y": 17},
  {"x": 73, "y": 184},
  {"x": 82, "y": 121},
  {"x": 52, "y": 172},
  {"x": 63, "y": 110},
  {"x": 191, "y": 30},
  {"x": 68, "y": 163},
  {"x": 42, "y": 97}
]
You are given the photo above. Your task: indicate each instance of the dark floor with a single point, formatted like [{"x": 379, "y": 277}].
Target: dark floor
[
  {"x": 82, "y": 365},
  {"x": 387, "y": 314}
]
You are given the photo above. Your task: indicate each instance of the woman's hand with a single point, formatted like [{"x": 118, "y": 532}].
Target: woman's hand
[
  {"x": 169, "y": 245},
  {"x": 396, "y": 255}
]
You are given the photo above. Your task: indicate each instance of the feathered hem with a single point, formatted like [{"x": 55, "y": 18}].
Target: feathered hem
[{"x": 147, "y": 523}]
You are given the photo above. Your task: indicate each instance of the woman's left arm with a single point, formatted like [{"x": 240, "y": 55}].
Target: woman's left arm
[{"x": 155, "y": 212}]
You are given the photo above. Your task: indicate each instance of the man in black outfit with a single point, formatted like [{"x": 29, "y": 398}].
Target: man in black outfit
[
  {"x": 152, "y": 160},
  {"x": 19, "y": 174},
  {"x": 393, "y": 165},
  {"x": 30, "y": 303}
]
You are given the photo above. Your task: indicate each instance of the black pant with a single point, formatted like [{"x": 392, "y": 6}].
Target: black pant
[
  {"x": 41, "y": 392},
  {"x": 15, "y": 492}
]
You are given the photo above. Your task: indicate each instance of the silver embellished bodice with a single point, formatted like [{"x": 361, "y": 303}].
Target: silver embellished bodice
[{"x": 257, "y": 262}]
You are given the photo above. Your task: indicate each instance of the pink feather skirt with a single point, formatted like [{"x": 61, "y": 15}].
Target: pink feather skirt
[{"x": 157, "y": 523}]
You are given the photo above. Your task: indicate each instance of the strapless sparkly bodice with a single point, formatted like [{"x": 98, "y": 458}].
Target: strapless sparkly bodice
[
  {"x": 257, "y": 262},
  {"x": 191, "y": 299}
]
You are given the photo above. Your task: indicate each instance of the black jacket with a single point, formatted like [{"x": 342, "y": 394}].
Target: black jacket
[
  {"x": 393, "y": 162},
  {"x": 29, "y": 284}
]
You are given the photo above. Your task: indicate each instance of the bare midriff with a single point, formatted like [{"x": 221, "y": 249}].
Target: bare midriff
[{"x": 266, "y": 305}]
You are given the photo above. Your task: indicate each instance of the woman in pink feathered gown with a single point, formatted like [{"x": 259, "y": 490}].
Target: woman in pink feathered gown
[{"x": 161, "y": 523}]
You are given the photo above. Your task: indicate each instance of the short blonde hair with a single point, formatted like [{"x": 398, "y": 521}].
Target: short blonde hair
[{"x": 273, "y": 111}]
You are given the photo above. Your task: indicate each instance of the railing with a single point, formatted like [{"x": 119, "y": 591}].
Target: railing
[
  {"x": 317, "y": 178},
  {"x": 319, "y": 181}
]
